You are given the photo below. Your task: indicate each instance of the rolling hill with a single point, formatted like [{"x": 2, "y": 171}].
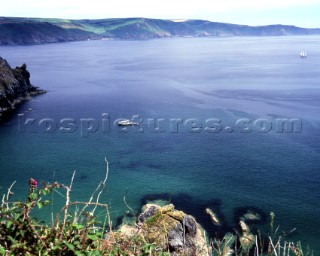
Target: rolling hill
[{"x": 24, "y": 31}]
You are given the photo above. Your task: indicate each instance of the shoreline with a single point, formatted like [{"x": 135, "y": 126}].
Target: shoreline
[
  {"x": 160, "y": 38},
  {"x": 6, "y": 113},
  {"x": 15, "y": 87}
]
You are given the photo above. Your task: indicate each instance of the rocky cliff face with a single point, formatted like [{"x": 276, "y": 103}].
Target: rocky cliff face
[
  {"x": 14, "y": 85},
  {"x": 26, "y": 33}
]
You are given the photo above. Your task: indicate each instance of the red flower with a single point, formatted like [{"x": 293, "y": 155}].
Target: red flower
[{"x": 33, "y": 183}]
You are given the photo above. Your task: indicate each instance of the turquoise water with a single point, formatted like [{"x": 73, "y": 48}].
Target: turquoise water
[{"x": 228, "y": 170}]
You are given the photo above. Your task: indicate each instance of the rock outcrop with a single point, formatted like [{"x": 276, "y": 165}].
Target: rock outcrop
[
  {"x": 15, "y": 85},
  {"x": 170, "y": 230}
]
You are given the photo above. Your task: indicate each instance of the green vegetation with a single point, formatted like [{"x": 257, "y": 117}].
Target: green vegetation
[
  {"x": 154, "y": 219},
  {"x": 20, "y": 234},
  {"x": 121, "y": 23},
  {"x": 77, "y": 234}
]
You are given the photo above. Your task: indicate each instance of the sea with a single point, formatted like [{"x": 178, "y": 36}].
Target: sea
[{"x": 230, "y": 124}]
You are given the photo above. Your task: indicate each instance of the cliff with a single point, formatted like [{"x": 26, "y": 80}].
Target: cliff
[
  {"x": 14, "y": 85},
  {"x": 27, "y": 32},
  {"x": 24, "y": 31}
]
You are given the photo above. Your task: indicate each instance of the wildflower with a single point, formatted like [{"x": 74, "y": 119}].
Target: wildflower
[{"x": 33, "y": 183}]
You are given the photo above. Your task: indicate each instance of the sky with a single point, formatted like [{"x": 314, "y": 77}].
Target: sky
[{"x": 303, "y": 13}]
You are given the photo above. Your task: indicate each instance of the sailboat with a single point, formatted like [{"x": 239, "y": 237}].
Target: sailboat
[{"x": 303, "y": 54}]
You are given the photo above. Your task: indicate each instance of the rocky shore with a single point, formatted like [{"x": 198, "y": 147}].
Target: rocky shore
[
  {"x": 15, "y": 86},
  {"x": 170, "y": 230},
  {"x": 177, "y": 233}
]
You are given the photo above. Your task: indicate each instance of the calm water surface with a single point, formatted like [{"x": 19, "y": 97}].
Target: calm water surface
[{"x": 228, "y": 170}]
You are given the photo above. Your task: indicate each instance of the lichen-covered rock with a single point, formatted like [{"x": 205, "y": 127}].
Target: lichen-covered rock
[
  {"x": 178, "y": 215},
  {"x": 128, "y": 230},
  {"x": 172, "y": 230}
]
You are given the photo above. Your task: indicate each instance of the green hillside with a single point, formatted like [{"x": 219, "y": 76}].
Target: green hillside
[{"x": 21, "y": 31}]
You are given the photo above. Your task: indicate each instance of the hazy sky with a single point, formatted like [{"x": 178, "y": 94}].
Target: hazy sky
[{"x": 304, "y": 13}]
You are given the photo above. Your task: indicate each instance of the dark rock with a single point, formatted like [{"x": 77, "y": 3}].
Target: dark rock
[
  {"x": 14, "y": 85},
  {"x": 148, "y": 213},
  {"x": 175, "y": 237},
  {"x": 190, "y": 225},
  {"x": 15, "y": 31}
]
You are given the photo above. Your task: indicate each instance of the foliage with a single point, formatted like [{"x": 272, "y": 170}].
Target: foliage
[
  {"x": 117, "y": 244},
  {"x": 20, "y": 234},
  {"x": 271, "y": 245},
  {"x": 150, "y": 221},
  {"x": 70, "y": 234}
]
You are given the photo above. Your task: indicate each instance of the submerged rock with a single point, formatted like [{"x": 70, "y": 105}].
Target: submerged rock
[
  {"x": 251, "y": 216},
  {"x": 213, "y": 217}
]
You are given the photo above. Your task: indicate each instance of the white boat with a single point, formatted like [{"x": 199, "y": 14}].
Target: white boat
[
  {"x": 126, "y": 122},
  {"x": 303, "y": 54}
]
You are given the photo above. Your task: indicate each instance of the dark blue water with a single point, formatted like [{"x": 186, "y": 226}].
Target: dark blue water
[{"x": 229, "y": 81}]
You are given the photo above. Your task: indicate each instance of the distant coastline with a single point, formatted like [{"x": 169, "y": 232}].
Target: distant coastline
[{"x": 30, "y": 31}]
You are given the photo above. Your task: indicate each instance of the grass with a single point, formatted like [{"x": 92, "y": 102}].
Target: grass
[{"x": 150, "y": 221}]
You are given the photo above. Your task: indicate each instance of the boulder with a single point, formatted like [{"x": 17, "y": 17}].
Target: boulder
[
  {"x": 173, "y": 231},
  {"x": 169, "y": 230}
]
